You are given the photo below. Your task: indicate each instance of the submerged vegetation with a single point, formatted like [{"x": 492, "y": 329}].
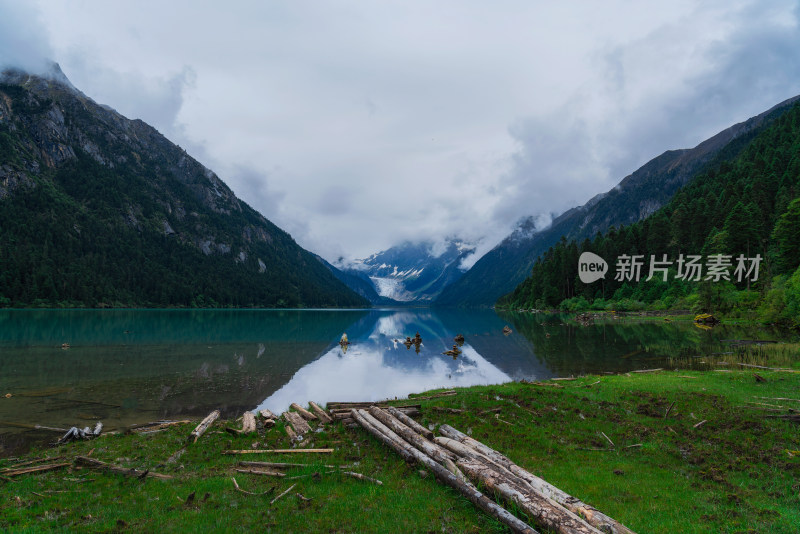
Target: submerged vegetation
[
  {"x": 669, "y": 451},
  {"x": 747, "y": 207}
]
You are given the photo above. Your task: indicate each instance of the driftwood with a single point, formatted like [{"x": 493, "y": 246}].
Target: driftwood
[
  {"x": 266, "y": 414},
  {"x": 445, "y": 410},
  {"x": 155, "y": 425},
  {"x": 320, "y": 413},
  {"x": 76, "y": 433},
  {"x": 440, "y": 454},
  {"x": 448, "y": 393},
  {"x": 593, "y": 516},
  {"x": 468, "y": 490},
  {"x": 34, "y": 469},
  {"x": 308, "y": 416},
  {"x": 282, "y": 494},
  {"x": 281, "y": 451},
  {"x": 203, "y": 426},
  {"x": 548, "y": 514},
  {"x": 84, "y": 461},
  {"x": 267, "y": 472},
  {"x": 648, "y": 370},
  {"x": 784, "y": 369},
  {"x": 298, "y": 423},
  {"x": 362, "y": 477},
  {"x": 290, "y": 432},
  {"x": 286, "y": 465},
  {"x": 248, "y": 423},
  {"x": 236, "y": 485},
  {"x": 406, "y": 420}
]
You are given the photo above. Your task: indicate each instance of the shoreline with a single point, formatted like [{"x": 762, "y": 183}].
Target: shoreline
[{"x": 662, "y": 451}]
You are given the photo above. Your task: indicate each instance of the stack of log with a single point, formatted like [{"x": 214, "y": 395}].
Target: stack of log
[
  {"x": 341, "y": 411},
  {"x": 461, "y": 462}
]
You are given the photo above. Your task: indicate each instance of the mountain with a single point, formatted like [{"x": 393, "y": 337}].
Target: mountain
[
  {"x": 638, "y": 195},
  {"x": 740, "y": 216},
  {"x": 360, "y": 283},
  {"x": 100, "y": 210},
  {"x": 412, "y": 272}
]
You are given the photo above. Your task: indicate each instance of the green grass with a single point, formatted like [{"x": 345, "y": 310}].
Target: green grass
[{"x": 736, "y": 473}]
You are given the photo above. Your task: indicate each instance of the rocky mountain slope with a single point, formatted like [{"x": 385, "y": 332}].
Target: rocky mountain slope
[
  {"x": 638, "y": 195},
  {"x": 100, "y": 210}
]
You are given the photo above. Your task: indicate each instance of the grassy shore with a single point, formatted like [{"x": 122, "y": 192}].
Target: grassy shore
[{"x": 739, "y": 471}]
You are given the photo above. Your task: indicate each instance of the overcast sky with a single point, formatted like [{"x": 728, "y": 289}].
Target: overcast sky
[{"x": 355, "y": 125}]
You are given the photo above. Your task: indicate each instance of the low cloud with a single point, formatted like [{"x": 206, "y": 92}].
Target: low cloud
[{"x": 24, "y": 42}]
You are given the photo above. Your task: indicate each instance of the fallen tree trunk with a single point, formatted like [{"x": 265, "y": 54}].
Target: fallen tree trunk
[
  {"x": 308, "y": 416},
  {"x": 406, "y": 420},
  {"x": 468, "y": 490},
  {"x": 204, "y": 425},
  {"x": 266, "y": 414},
  {"x": 593, "y": 516},
  {"x": 546, "y": 513},
  {"x": 84, "y": 461},
  {"x": 323, "y": 417},
  {"x": 433, "y": 450},
  {"x": 298, "y": 423},
  {"x": 248, "y": 423}
]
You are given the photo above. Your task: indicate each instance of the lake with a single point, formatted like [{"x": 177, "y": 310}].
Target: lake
[{"x": 67, "y": 368}]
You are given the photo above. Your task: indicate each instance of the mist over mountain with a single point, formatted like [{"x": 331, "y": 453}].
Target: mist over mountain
[
  {"x": 638, "y": 195},
  {"x": 100, "y": 210}
]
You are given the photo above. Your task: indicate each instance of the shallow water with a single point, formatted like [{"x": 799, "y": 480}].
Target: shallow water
[{"x": 133, "y": 366}]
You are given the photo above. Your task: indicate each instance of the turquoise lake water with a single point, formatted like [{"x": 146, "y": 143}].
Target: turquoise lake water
[{"x": 133, "y": 366}]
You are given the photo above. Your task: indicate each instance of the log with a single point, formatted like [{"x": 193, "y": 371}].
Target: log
[
  {"x": 308, "y": 416},
  {"x": 266, "y": 414},
  {"x": 204, "y": 425},
  {"x": 373, "y": 426},
  {"x": 290, "y": 432},
  {"x": 446, "y": 410},
  {"x": 320, "y": 413},
  {"x": 467, "y": 490},
  {"x": 547, "y": 514},
  {"x": 269, "y": 423},
  {"x": 32, "y": 427},
  {"x": 158, "y": 425},
  {"x": 248, "y": 423},
  {"x": 236, "y": 485},
  {"x": 406, "y": 420},
  {"x": 298, "y": 423},
  {"x": 278, "y": 451},
  {"x": 593, "y": 516},
  {"x": 84, "y": 461},
  {"x": 438, "y": 453}
]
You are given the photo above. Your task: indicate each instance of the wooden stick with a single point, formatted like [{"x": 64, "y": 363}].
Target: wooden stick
[
  {"x": 467, "y": 490},
  {"x": 204, "y": 425},
  {"x": 308, "y": 416},
  {"x": 285, "y": 465},
  {"x": 282, "y": 494},
  {"x": 578, "y": 507},
  {"x": 406, "y": 420},
  {"x": 31, "y": 462},
  {"x": 777, "y": 398},
  {"x": 648, "y": 370},
  {"x": 446, "y": 410},
  {"x": 32, "y": 427},
  {"x": 34, "y": 469},
  {"x": 236, "y": 485},
  {"x": 669, "y": 409},
  {"x": 91, "y": 463},
  {"x": 320, "y": 413},
  {"x": 267, "y": 472},
  {"x": 609, "y": 440},
  {"x": 362, "y": 477},
  {"x": 698, "y": 425},
  {"x": 278, "y": 451}
]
